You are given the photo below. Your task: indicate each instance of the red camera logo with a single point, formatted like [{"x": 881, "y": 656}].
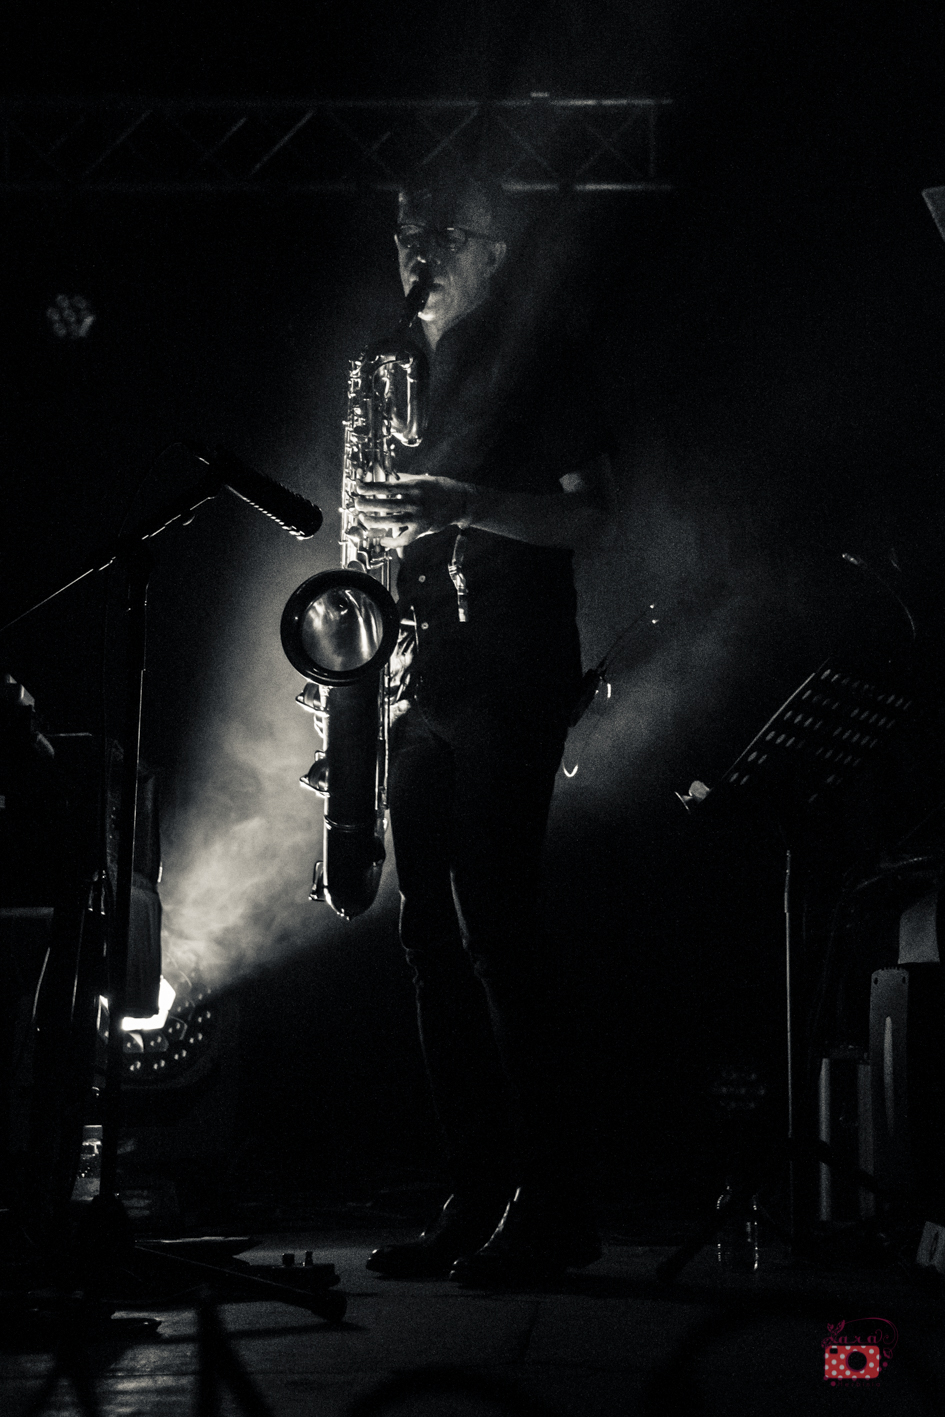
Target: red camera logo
[
  {"x": 858, "y": 1349},
  {"x": 846, "y": 1360}
]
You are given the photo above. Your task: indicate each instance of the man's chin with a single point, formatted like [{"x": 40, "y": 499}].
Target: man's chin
[{"x": 432, "y": 310}]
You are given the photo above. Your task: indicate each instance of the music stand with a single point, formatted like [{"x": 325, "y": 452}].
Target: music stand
[{"x": 832, "y": 724}]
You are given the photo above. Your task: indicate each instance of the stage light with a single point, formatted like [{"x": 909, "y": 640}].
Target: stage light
[
  {"x": 177, "y": 1044},
  {"x": 70, "y": 316},
  {"x": 166, "y": 996}
]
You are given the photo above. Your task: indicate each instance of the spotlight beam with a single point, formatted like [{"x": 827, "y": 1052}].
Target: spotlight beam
[{"x": 132, "y": 552}]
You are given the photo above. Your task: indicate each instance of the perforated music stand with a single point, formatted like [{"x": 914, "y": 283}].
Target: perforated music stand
[
  {"x": 818, "y": 738},
  {"x": 835, "y": 721}
]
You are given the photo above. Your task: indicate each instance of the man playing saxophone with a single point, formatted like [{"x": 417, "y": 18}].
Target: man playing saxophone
[{"x": 512, "y": 475}]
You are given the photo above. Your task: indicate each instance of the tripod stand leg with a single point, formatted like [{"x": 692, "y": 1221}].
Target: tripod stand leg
[
  {"x": 329, "y": 1306},
  {"x": 789, "y": 1034},
  {"x": 138, "y": 570},
  {"x": 739, "y": 1208}
]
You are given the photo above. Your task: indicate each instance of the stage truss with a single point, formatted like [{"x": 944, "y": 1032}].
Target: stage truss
[{"x": 537, "y": 143}]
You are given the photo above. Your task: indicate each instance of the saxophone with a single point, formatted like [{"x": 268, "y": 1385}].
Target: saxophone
[{"x": 339, "y": 627}]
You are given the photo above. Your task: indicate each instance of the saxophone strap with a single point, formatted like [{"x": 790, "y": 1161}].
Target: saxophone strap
[{"x": 458, "y": 577}]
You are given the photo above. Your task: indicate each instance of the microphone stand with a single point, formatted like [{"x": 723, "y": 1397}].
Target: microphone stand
[{"x": 107, "y": 1233}]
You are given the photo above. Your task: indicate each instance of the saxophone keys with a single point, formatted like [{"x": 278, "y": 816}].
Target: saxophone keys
[
  {"x": 317, "y": 893},
  {"x": 316, "y": 779}
]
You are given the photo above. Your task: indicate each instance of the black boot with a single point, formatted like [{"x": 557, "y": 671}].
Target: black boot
[
  {"x": 538, "y": 1238},
  {"x": 461, "y": 1227}
]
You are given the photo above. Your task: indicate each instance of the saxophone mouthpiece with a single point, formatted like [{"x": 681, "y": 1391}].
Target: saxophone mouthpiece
[{"x": 417, "y": 294}]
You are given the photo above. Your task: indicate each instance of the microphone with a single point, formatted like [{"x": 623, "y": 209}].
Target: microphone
[{"x": 290, "y": 511}]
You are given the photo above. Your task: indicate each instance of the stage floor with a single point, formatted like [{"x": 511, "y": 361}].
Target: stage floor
[{"x": 606, "y": 1341}]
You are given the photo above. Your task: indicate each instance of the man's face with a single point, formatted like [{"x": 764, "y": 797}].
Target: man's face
[{"x": 460, "y": 278}]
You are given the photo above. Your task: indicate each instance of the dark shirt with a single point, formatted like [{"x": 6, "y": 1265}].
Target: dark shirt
[{"x": 499, "y": 417}]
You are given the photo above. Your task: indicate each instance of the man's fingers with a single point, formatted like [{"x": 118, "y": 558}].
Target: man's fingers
[
  {"x": 386, "y": 506},
  {"x": 393, "y": 523},
  {"x": 404, "y": 480},
  {"x": 385, "y": 513}
]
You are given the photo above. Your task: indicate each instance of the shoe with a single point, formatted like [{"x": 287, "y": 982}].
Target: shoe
[
  {"x": 462, "y": 1226},
  {"x": 536, "y": 1240}
]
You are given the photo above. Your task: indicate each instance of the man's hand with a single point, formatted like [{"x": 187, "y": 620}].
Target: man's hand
[
  {"x": 396, "y": 513},
  {"x": 579, "y": 517}
]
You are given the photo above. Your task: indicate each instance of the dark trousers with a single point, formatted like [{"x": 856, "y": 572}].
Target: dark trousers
[{"x": 469, "y": 790}]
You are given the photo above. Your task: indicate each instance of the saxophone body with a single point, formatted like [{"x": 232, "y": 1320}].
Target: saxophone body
[
  {"x": 386, "y": 397},
  {"x": 340, "y": 627}
]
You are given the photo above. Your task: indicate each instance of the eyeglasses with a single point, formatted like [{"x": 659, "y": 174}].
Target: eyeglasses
[{"x": 410, "y": 237}]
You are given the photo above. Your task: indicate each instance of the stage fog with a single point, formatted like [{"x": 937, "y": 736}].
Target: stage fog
[{"x": 766, "y": 345}]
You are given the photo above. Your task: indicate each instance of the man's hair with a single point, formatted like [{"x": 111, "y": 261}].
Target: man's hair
[{"x": 438, "y": 192}]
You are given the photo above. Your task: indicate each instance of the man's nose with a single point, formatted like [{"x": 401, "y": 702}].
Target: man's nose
[{"x": 428, "y": 248}]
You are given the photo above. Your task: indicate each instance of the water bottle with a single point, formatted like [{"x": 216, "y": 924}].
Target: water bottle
[
  {"x": 737, "y": 1247},
  {"x": 89, "y": 1175}
]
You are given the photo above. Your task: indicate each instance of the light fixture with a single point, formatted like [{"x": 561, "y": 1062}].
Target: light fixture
[
  {"x": 70, "y": 317},
  {"x": 166, "y": 996},
  {"x": 178, "y": 1044}
]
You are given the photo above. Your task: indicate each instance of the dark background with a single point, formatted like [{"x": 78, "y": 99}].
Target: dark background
[{"x": 768, "y": 340}]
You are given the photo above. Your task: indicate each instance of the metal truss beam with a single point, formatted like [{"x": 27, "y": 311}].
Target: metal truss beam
[{"x": 538, "y": 143}]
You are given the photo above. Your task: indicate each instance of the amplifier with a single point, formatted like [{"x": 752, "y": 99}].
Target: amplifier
[{"x": 59, "y": 802}]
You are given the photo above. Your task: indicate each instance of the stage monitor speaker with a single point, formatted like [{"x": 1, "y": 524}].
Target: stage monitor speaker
[{"x": 907, "y": 1067}]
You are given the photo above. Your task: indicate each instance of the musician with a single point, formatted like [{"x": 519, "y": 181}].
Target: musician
[{"x": 511, "y": 477}]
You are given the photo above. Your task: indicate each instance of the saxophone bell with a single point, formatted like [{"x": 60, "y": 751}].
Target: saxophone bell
[{"x": 339, "y": 627}]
